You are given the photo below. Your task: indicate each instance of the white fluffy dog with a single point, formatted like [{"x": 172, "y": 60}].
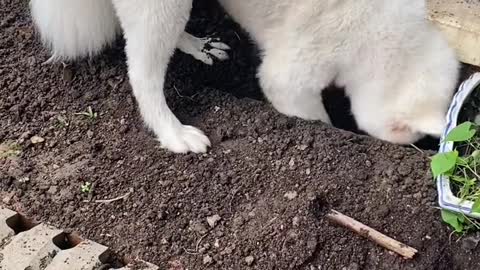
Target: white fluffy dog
[
  {"x": 152, "y": 29},
  {"x": 398, "y": 70}
]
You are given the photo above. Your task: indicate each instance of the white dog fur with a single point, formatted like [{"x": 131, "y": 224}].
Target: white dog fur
[
  {"x": 152, "y": 29},
  {"x": 398, "y": 71}
]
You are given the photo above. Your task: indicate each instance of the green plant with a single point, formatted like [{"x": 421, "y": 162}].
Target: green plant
[
  {"x": 462, "y": 167},
  {"x": 10, "y": 150},
  {"x": 89, "y": 113},
  {"x": 61, "y": 122},
  {"x": 86, "y": 187}
]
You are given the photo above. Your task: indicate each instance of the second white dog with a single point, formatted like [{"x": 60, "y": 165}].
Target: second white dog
[{"x": 398, "y": 70}]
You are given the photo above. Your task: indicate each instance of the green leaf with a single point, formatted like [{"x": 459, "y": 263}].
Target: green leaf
[
  {"x": 461, "y": 133},
  {"x": 443, "y": 162},
  {"x": 476, "y": 206},
  {"x": 461, "y": 219},
  {"x": 475, "y": 154},
  {"x": 462, "y": 161},
  {"x": 452, "y": 219}
]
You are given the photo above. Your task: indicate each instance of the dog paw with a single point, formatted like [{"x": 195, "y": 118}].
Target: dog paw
[
  {"x": 208, "y": 50},
  {"x": 185, "y": 139},
  {"x": 204, "y": 49},
  {"x": 217, "y": 49}
]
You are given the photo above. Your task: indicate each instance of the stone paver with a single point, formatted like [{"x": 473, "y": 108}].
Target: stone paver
[
  {"x": 35, "y": 249},
  {"x": 5, "y": 230},
  {"x": 84, "y": 256},
  {"x": 31, "y": 249}
]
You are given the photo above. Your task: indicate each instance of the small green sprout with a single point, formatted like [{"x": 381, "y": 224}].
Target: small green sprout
[
  {"x": 463, "y": 172},
  {"x": 89, "y": 113},
  {"x": 86, "y": 187},
  {"x": 10, "y": 150},
  {"x": 61, "y": 122}
]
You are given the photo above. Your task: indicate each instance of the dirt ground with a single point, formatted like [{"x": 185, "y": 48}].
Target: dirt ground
[{"x": 263, "y": 186}]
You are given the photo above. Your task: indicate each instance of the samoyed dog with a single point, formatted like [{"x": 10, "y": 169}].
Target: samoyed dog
[
  {"x": 397, "y": 69},
  {"x": 153, "y": 29}
]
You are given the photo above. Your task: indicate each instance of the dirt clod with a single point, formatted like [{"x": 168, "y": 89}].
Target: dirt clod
[
  {"x": 290, "y": 195},
  {"x": 249, "y": 260},
  {"x": 213, "y": 220},
  {"x": 207, "y": 260}
]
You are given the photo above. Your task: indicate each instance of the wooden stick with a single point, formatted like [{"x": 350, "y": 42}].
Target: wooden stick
[{"x": 371, "y": 234}]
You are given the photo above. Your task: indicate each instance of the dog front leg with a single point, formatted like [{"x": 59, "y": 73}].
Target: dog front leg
[{"x": 152, "y": 29}]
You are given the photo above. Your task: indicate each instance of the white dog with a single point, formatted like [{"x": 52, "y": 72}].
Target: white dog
[
  {"x": 152, "y": 29},
  {"x": 398, "y": 70}
]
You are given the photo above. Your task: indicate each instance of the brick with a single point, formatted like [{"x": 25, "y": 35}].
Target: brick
[
  {"x": 32, "y": 249},
  {"x": 84, "y": 256},
  {"x": 35, "y": 249},
  {"x": 5, "y": 230}
]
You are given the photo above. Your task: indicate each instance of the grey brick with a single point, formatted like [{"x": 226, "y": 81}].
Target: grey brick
[
  {"x": 32, "y": 249},
  {"x": 5, "y": 230},
  {"x": 84, "y": 256}
]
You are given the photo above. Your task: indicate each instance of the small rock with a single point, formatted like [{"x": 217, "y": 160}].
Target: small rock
[
  {"x": 296, "y": 221},
  {"x": 417, "y": 195},
  {"x": 303, "y": 147},
  {"x": 291, "y": 163},
  {"x": 213, "y": 220},
  {"x": 23, "y": 179},
  {"x": 249, "y": 260},
  {"x": 7, "y": 198},
  {"x": 291, "y": 195},
  {"x": 164, "y": 241},
  {"x": 37, "y": 139},
  {"x": 207, "y": 260},
  {"x": 229, "y": 250},
  {"x": 307, "y": 171}
]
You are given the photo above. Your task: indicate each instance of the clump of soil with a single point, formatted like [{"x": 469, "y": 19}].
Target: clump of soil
[{"x": 252, "y": 202}]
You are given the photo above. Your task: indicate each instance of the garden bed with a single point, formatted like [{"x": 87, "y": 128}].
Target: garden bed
[{"x": 267, "y": 177}]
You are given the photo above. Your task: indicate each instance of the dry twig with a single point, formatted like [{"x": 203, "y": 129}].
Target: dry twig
[
  {"x": 372, "y": 234},
  {"x": 114, "y": 199}
]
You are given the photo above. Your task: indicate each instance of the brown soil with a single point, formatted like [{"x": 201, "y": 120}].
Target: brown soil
[{"x": 269, "y": 178}]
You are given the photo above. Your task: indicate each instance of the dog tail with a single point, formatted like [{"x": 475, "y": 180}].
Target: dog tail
[{"x": 75, "y": 28}]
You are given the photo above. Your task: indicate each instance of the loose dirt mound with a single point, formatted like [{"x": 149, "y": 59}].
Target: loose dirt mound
[{"x": 267, "y": 177}]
